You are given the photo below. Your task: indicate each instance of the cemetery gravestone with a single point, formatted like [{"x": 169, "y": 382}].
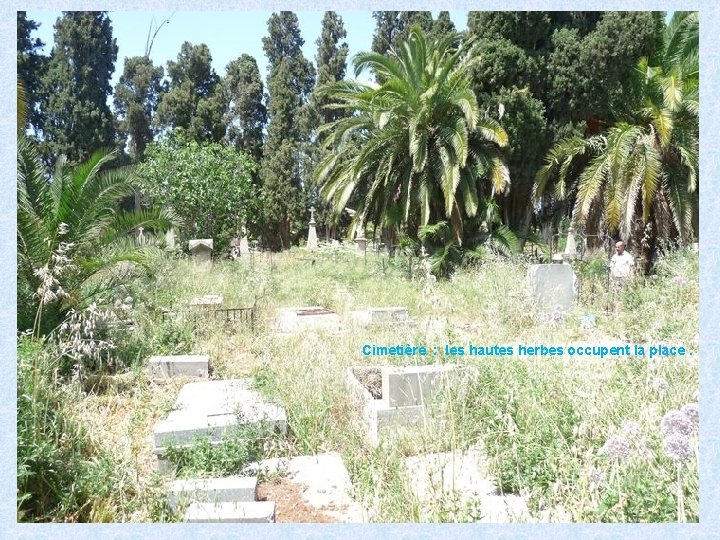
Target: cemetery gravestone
[
  {"x": 552, "y": 286},
  {"x": 201, "y": 249}
]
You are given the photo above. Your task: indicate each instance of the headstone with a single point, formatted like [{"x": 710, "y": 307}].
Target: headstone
[
  {"x": 312, "y": 241},
  {"x": 170, "y": 238},
  {"x": 552, "y": 286},
  {"x": 141, "y": 236},
  {"x": 360, "y": 246},
  {"x": 201, "y": 249},
  {"x": 244, "y": 247},
  {"x": 570, "y": 246}
]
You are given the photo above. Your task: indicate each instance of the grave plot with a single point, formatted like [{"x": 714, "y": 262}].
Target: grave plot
[
  {"x": 166, "y": 367},
  {"x": 380, "y": 316},
  {"x": 395, "y": 397},
  {"x": 232, "y": 499},
  {"x": 308, "y": 489},
  {"x": 209, "y": 409},
  {"x": 298, "y": 319},
  {"x": 462, "y": 477},
  {"x": 208, "y": 301}
]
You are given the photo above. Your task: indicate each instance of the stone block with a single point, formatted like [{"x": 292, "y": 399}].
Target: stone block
[
  {"x": 552, "y": 286},
  {"x": 228, "y": 512},
  {"x": 405, "y": 386},
  {"x": 212, "y": 490},
  {"x": 297, "y": 319},
  {"x": 210, "y": 408},
  {"x": 166, "y": 367}
]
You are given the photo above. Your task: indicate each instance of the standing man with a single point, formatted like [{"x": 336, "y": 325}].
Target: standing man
[{"x": 621, "y": 266}]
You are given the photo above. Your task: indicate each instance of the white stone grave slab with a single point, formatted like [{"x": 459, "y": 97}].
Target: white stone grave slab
[
  {"x": 210, "y": 408},
  {"x": 380, "y": 315},
  {"x": 212, "y": 490},
  {"x": 297, "y": 319},
  {"x": 189, "y": 365},
  {"x": 228, "y": 512}
]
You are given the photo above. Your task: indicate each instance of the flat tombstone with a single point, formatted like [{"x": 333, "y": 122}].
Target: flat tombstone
[
  {"x": 167, "y": 367},
  {"x": 388, "y": 314},
  {"x": 213, "y": 490},
  {"x": 552, "y": 286},
  {"x": 201, "y": 249}
]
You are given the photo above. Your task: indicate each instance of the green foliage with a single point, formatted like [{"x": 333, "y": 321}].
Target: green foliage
[
  {"x": 76, "y": 86},
  {"x": 239, "y": 447},
  {"x": 71, "y": 236},
  {"x": 194, "y": 104},
  {"x": 246, "y": 115},
  {"x": 208, "y": 184},
  {"x": 31, "y": 65},
  {"x": 136, "y": 100},
  {"x": 290, "y": 82},
  {"x": 61, "y": 474},
  {"x": 416, "y": 148},
  {"x": 642, "y": 171}
]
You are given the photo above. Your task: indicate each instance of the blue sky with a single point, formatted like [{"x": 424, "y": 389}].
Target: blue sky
[{"x": 228, "y": 34}]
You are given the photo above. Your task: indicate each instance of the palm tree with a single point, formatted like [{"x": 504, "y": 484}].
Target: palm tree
[
  {"x": 414, "y": 150},
  {"x": 70, "y": 233},
  {"x": 642, "y": 172}
]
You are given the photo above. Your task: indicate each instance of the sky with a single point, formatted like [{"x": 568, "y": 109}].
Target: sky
[{"x": 228, "y": 34}]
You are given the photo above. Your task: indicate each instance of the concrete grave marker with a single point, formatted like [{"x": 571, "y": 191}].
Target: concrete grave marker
[
  {"x": 295, "y": 319},
  {"x": 396, "y": 397},
  {"x": 201, "y": 249},
  {"x": 166, "y": 367},
  {"x": 381, "y": 315},
  {"x": 552, "y": 286},
  {"x": 312, "y": 241},
  {"x": 209, "y": 409}
]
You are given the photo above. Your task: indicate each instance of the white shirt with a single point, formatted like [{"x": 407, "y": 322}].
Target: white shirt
[{"x": 621, "y": 265}]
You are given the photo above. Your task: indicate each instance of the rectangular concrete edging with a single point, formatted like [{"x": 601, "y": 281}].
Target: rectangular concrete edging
[
  {"x": 212, "y": 490},
  {"x": 228, "y": 512}
]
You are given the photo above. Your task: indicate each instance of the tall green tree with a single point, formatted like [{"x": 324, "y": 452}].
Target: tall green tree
[
  {"x": 136, "y": 99},
  {"x": 30, "y": 67},
  {"x": 290, "y": 82},
  {"x": 76, "y": 86},
  {"x": 539, "y": 72},
  {"x": 417, "y": 147},
  {"x": 641, "y": 172},
  {"x": 331, "y": 61},
  {"x": 246, "y": 115},
  {"x": 194, "y": 103}
]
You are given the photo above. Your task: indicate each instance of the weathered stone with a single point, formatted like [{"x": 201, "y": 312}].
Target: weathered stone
[
  {"x": 209, "y": 301},
  {"x": 166, "y": 367},
  {"x": 212, "y": 490},
  {"x": 312, "y": 241},
  {"x": 552, "y": 286},
  {"x": 381, "y": 315},
  {"x": 201, "y": 249},
  {"x": 210, "y": 408},
  {"x": 405, "y": 386},
  {"x": 228, "y": 512},
  {"x": 296, "y": 319},
  {"x": 324, "y": 481}
]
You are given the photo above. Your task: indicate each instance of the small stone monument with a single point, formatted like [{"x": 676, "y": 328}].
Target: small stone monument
[
  {"x": 201, "y": 249},
  {"x": 170, "y": 238},
  {"x": 141, "y": 236},
  {"x": 570, "y": 246},
  {"x": 360, "y": 240},
  {"x": 552, "y": 285},
  {"x": 312, "y": 241}
]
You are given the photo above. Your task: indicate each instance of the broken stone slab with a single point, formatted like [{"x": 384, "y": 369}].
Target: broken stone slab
[
  {"x": 229, "y": 512},
  {"x": 210, "y": 408},
  {"x": 462, "y": 474},
  {"x": 295, "y": 319},
  {"x": 212, "y": 490},
  {"x": 324, "y": 480},
  {"x": 189, "y": 365},
  {"x": 552, "y": 286},
  {"x": 381, "y": 315}
]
